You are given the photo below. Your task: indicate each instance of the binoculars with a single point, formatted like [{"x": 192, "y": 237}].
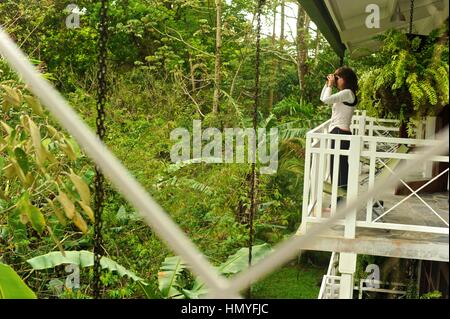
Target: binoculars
[{"x": 335, "y": 78}]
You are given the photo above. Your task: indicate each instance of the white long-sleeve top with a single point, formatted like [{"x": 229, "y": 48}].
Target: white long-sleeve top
[{"x": 341, "y": 115}]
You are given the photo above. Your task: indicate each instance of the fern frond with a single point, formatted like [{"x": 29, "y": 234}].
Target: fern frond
[
  {"x": 442, "y": 83},
  {"x": 197, "y": 186},
  {"x": 367, "y": 90},
  {"x": 292, "y": 133},
  {"x": 417, "y": 96},
  {"x": 429, "y": 91},
  {"x": 401, "y": 69}
]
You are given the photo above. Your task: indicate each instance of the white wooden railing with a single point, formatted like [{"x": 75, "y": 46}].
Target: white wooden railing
[
  {"x": 375, "y": 149},
  {"x": 329, "y": 288},
  {"x": 371, "y": 126},
  {"x": 397, "y": 289}
]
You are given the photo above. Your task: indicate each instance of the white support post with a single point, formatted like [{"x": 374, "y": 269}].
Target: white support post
[
  {"x": 334, "y": 185},
  {"x": 372, "y": 167},
  {"x": 328, "y": 160},
  {"x": 347, "y": 268},
  {"x": 371, "y": 124},
  {"x": 362, "y": 125},
  {"x": 314, "y": 179},
  {"x": 347, "y": 261},
  {"x": 419, "y": 133},
  {"x": 430, "y": 132},
  {"x": 362, "y": 130},
  {"x": 320, "y": 177},
  {"x": 307, "y": 182},
  {"x": 353, "y": 183}
]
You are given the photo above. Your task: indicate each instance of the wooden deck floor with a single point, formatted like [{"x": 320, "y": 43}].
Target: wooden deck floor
[{"x": 395, "y": 243}]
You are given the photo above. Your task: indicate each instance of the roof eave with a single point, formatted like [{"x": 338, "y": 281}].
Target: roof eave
[{"x": 319, "y": 14}]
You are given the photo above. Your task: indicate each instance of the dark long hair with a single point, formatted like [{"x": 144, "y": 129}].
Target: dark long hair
[{"x": 350, "y": 78}]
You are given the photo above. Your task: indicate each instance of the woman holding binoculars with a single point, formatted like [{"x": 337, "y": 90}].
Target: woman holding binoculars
[{"x": 343, "y": 104}]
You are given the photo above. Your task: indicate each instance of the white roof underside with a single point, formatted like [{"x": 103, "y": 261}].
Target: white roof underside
[{"x": 350, "y": 16}]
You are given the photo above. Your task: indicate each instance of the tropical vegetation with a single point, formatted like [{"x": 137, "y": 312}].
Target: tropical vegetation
[{"x": 166, "y": 69}]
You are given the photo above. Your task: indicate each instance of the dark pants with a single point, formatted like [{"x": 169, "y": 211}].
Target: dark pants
[{"x": 343, "y": 160}]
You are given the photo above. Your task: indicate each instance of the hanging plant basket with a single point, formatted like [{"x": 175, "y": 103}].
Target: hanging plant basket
[{"x": 411, "y": 78}]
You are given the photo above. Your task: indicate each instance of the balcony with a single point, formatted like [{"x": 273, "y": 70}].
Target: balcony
[{"x": 406, "y": 221}]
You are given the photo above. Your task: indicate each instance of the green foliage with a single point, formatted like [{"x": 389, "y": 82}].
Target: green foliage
[
  {"x": 239, "y": 261},
  {"x": 36, "y": 167},
  {"x": 290, "y": 282},
  {"x": 80, "y": 258},
  {"x": 11, "y": 286},
  {"x": 174, "y": 279},
  {"x": 411, "y": 289},
  {"x": 415, "y": 81},
  {"x": 171, "y": 269},
  {"x": 280, "y": 199},
  {"x": 362, "y": 262},
  {"x": 161, "y": 59},
  {"x": 436, "y": 294}
]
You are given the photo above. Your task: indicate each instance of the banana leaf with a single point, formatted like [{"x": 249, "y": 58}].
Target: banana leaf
[
  {"x": 12, "y": 286},
  {"x": 168, "y": 277},
  {"x": 197, "y": 290},
  {"x": 239, "y": 261},
  {"x": 81, "y": 258}
]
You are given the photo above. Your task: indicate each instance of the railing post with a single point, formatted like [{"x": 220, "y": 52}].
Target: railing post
[
  {"x": 320, "y": 176},
  {"x": 307, "y": 181},
  {"x": 362, "y": 125},
  {"x": 419, "y": 129},
  {"x": 372, "y": 168},
  {"x": 314, "y": 178},
  {"x": 347, "y": 261},
  {"x": 353, "y": 183},
  {"x": 371, "y": 127},
  {"x": 430, "y": 133}
]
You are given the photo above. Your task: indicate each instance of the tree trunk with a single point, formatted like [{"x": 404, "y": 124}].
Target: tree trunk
[
  {"x": 316, "y": 53},
  {"x": 283, "y": 19},
  {"x": 274, "y": 61},
  {"x": 218, "y": 65},
  {"x": 302, "y": 45},
  {"x": 191, "y": 67}
]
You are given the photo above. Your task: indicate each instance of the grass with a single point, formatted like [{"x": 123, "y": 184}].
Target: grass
[{"x": 290, "y": 282}]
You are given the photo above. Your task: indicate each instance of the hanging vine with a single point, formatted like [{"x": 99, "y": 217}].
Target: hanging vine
[
  {"x": 254, "y": 177},
  {"x": 99, "y": 179}
]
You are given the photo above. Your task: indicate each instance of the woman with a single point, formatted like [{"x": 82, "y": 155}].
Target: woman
[{"x": 344, "y": 103}]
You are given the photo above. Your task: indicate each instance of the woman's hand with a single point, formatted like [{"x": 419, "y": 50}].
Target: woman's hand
[{"x": 331, "y": 80}]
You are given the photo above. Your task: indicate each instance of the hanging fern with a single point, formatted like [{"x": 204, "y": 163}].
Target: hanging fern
[
  {"x": 416, "y": 92},
  {"x": 429, "y": 90},
  {"x": 401, "y": 69},
  {"x": 415, "y": 81},
  {"x": 442, "y": 81}
]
